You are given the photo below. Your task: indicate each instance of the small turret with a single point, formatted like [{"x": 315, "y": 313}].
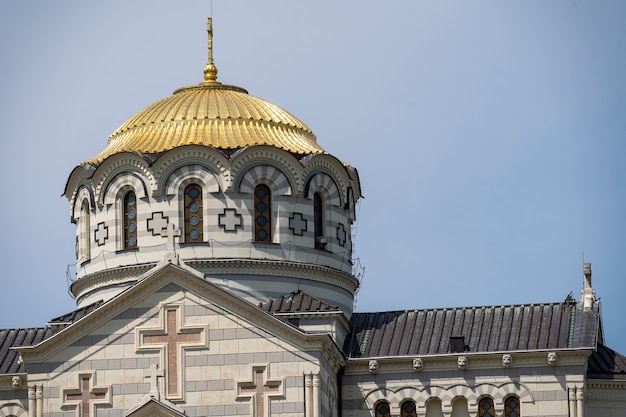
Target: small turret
[{"x": 588, "y": 294}]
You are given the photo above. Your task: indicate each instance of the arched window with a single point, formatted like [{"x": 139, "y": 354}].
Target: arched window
[
  {"x": 512, "y": 407},
  {"x": 193, "y": 214},
  {"x": 83, "y": 251},
  {"x": 433, "y": 408},
  {"x": 318, "y": 220},
  {"x": 485, "y": 408},
  {"x": 382, "y": 409},
  {"x": 130, "y": 220},
  {"x": 262, "y": 214},
  {"x": 407, "y": 409},
  {"x": 459, "y": 408}
]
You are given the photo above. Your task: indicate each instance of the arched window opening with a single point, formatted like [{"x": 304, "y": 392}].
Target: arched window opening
[
  {"x": 382, "y": 409},
  {"x": 130, "y": 220},
  {"x": 459, "y": 408},
  {"x": 433, "y": 408},
  {"x": 485, "y": 408},
  {"x": 407, "y": 409},
  {"x": 318, "y": 220},
  {"x": 262, "y": 214},
  {"x": 193, "y": 214},
  {"x": 512, "y": 407},
  {"x": 83, "y": 250}
]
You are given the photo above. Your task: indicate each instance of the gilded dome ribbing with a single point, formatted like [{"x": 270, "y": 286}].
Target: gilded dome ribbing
[{"x": 210, "y": 114}]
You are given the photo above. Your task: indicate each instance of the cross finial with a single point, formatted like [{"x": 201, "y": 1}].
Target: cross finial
[
  {"x": 170, "y": 233},
  {"x": 154, "y": 373},
  {"x": 210, "y": 70}
]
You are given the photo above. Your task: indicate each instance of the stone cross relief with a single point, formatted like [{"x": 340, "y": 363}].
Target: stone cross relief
[
  {"x": 260, "y": 390},
  {"x": 86, "y": 396},
  {"x": 171, "y": 339},
  {"x": 170, "y": 233},
  {"x": 154, "y": 373}
]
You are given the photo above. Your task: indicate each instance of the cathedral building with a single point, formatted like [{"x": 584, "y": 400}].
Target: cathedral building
[{"x": 215, "y": 277}]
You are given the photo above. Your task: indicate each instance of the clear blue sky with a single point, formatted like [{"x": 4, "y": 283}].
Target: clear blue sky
[{"x": 489, "y": 135}]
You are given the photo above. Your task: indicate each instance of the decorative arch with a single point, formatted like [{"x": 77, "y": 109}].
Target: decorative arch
[
  {"x": 82, "y": 194},
  {"x": 124, "y": 182},
  {"x": 322, "y": 181},
  {"x": 382, "y": 409},
  {"x": 265, "y": 174},
  {"x": 208, "y": 159},
  {"x": 191, "y": 173},
  {"x": 77, "y": 179},
  {"x": 332, "y": 167},
  {"x": 448, "y": 394},
  {"x": 267, "y": 155},
  {"x": 13, "y": 410},
  {"x": 121, "y": 164}
]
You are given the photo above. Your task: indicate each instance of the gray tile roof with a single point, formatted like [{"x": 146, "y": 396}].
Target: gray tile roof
[
  {"x": 297, "y": 302},
  {"x": 9, "y": 338},
  {"x": 65, "y": 320},
  {"x": 485, "y": 329},
  {"x": 605, "y": 363}
]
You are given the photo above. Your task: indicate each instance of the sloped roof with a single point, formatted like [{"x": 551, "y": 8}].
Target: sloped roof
[
  {"x": 485, "y": 329},
  {"x": 605, "y": 363},
  {"x": 297, "y": 302},
  {"x": 71, "y": 317},
  {"x": 18, "y": 337}
]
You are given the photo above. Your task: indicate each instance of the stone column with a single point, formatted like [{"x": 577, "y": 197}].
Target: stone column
[
  {"x": 580, "y": 402},
  {"x": 308, "y": 394},
  {"x": 31, "y": 401},
  {"x": 316, "y": 396},
  {"x": 572, "y": 401},
  {"x": 39, "y": 400}
]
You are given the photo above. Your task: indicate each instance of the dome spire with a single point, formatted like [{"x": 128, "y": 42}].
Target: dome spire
[{"x": 210, "y": 70}]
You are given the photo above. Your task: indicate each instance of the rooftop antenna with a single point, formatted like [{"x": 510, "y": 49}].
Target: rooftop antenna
[{"x": 210, "y": 70}]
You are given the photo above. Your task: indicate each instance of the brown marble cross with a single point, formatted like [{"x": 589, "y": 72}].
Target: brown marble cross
[
  {"x": 85, "y": 397},
  {"x": 258, "y": 390},
  {"x": 172, "y": 340}
]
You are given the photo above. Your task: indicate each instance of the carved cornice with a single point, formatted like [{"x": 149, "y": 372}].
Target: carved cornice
[
  {"x": 155, "y": 280},
  {"x": 606, "y": 390},
  {"x": 488, "y": 360},
  {"x": 276, "y": 268},
  {"x": 108, "y": 278}
]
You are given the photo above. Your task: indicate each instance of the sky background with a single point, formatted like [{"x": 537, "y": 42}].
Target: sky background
[{"x": 489, "y": 136}]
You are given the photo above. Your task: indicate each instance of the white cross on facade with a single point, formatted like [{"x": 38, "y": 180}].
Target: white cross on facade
[
  {"x": 154, "y": 373},
  {"x": 229, "y": 220},
  {"x": 298, "y": 224},
  {"x": 101, "y": 234},
  {"x": 170, "y": 233},
  {"x": 157, "y": 222}
]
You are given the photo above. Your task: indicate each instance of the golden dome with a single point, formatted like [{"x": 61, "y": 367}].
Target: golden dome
[{"x": 210, "y": 114}]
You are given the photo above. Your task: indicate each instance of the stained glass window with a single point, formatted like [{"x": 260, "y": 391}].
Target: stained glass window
[
  {"x": 382, "y": 409},
  {"x": 512, "y": 407},
  {"x": 130, "y": 220},
  {"x": 318, "y": 218},
  {"x": 408, "y": 409},
  {"x": 485, "y": 408},
  {"x": 193, "y": 214},
  {"x": 262, "y": 214}
]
